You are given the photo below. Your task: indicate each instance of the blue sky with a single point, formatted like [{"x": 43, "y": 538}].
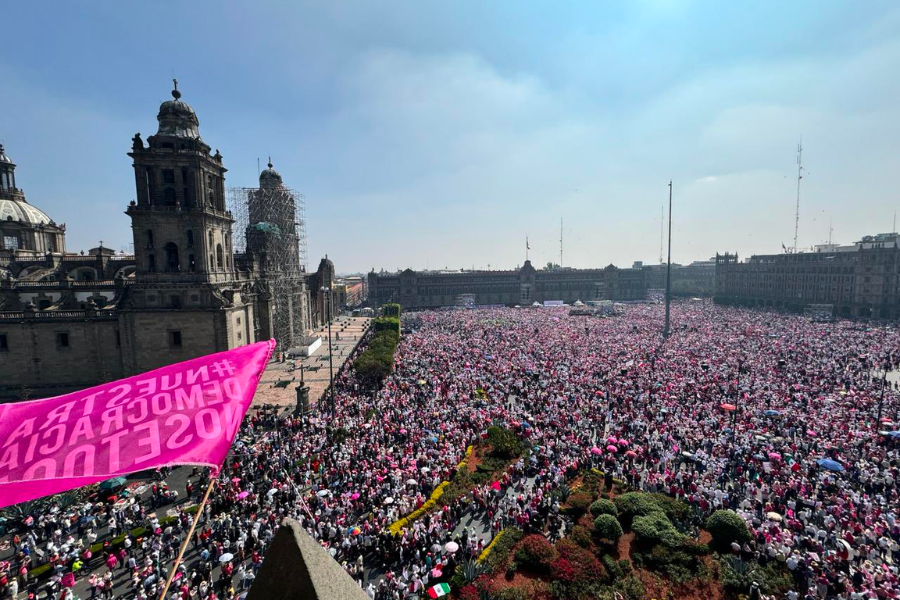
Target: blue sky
[{"x": 442, "y": 133}]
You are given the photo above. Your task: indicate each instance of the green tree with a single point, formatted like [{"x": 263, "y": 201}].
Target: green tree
[
  {"x": 726, "y": 527},
  {"x": 607, "y": 528}
]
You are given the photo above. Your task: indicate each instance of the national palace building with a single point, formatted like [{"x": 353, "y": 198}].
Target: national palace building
[{"x": 526, "y": 285}]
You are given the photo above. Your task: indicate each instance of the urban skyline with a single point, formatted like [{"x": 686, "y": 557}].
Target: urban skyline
[{"x": 481, "y": 138}]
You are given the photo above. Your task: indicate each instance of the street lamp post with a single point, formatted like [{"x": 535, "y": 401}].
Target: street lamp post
[{"x": 326, "y": 292}]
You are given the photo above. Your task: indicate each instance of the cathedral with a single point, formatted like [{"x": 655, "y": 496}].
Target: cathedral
[{"x": 69, "y": 321}]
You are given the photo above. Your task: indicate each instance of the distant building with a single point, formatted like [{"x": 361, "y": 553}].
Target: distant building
[
  {"x": 523, "y": 286},
  {"x": 695, "y": 279},
  {"x": 350, "y": 292},
  {"x": 858, "y": 280}
]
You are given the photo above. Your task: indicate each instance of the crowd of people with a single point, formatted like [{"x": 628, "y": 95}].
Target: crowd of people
[{"x": 781, "y": 419}]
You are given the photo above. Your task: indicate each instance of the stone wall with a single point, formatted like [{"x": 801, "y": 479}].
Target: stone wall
[{"x": 52, "y": 356}]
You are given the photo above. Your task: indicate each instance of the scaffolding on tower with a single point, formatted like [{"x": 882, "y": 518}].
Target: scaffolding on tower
[{"x": 270, "y": 237}]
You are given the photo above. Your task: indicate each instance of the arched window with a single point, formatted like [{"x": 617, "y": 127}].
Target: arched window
[
  {"x": 219, "y": 256},
  {"x": 172, "y": 262},
  {"x": 149, "y": 238},
  {"x": 211, "y": 264},
  {"x": 190, "y": 238},
  {"x": 210, "y": 241},
  {"x": 169, "y": 196},
  {"x": 192, "y": 266},
  {"x": 151, "y": 263}
]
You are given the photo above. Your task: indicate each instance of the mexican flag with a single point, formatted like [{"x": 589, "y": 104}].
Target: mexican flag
[{"x": 441, "y": 589}]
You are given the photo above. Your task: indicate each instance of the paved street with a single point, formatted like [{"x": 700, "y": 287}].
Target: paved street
[{"x": 346, "y": 333}]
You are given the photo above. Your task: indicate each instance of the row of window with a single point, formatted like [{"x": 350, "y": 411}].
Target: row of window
[
  {"x": 213, "y": 198},
  {"x": 173, "y": 260}
]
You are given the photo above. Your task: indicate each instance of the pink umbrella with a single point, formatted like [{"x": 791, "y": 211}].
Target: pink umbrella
[
  {"x": 612, "y": 449},
  {"x": 354, "y": 495},
  {"x": 611, "y": 440},
  {"x": 622, "y": 442},
  {"x": 595, "y": 450},
  {"x": 495, "y": 486},
  {"x": 243, "y": 495},
  {"x": 774, "y": 456},
  {"x": 631, "y": 454}
]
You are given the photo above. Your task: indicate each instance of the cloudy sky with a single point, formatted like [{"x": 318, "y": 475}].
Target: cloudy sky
[{"x": 440, "y": 134}]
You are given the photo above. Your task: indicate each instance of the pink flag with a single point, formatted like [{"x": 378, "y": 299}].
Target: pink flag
[{"x": 184, "y": 414}]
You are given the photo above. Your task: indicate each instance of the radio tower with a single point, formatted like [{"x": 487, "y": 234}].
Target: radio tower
[{"x": 799, "y": 177}]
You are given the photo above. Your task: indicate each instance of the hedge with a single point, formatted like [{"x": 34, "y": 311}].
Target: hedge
[
  {"x": 636, "y": 504},
  {"x": 604, "y": 507},
  {"x": 387, "y": 324},
  {"x": 390, "y": 310},
  {"x": 496, "y": 553},
  {"x": 377, "y": 361},
  {"x": 656, "y": 528},
  {"x": 398, "y": 525},
  {"x": 436, "y": 495},
  {"x": 725, "y": 527}
]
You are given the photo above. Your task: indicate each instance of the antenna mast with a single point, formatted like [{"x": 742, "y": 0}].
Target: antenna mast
[{"x": 799, "y": 177}]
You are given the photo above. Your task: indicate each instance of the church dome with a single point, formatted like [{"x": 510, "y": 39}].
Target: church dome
[
  {"x": 3, "y": 157},
  {"x": 177, "y": 118},
  {"x": 20, "y": 210},
  {"x": 270, "y": 177}
]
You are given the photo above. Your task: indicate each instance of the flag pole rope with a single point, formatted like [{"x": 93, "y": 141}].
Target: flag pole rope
[{"x": 198, "y": 516}]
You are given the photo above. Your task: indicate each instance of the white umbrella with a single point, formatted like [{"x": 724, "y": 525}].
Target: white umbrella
[
  {"x": 412, "y": 482},
  {"x": 850, "y": 553},
  {"x": 773, "y": 516},
  {"x": 425, "y": 469},
  {"x": 388, "y": 500},
  {"x": 322, "y": 493},
  {"x": 226, "y": 557},
  {"x": 273, "y": 491},
  {"x": 451, "y": 547}
]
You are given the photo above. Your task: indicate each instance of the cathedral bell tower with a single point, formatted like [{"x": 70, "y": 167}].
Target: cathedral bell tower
[
  {"x": 181, "y": 228},
  {"x": 187, "y": 299}
]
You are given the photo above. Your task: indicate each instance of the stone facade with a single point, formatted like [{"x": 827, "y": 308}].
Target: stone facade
[
  {"x": 522, "y": 287},
  {"x": 860, "y": 280},
  {"x": 69, "y": 321}
]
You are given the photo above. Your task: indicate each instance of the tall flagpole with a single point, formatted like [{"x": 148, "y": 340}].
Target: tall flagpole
[{"x": 666, "y": 331}]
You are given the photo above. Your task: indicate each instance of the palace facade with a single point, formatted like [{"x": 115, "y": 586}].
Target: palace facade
[{"x": 523, "y": 286}]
